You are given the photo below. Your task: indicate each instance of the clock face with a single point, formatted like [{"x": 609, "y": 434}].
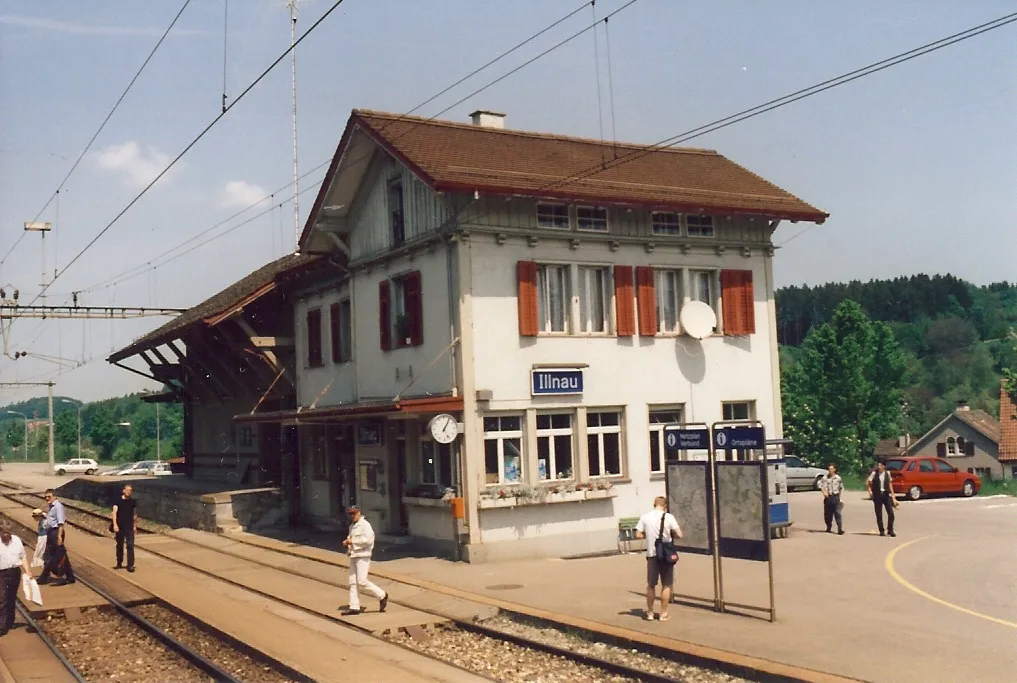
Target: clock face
[{"x": 444, "y": 428}]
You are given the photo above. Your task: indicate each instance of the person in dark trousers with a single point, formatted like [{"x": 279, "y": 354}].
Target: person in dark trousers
[
  {"x": 125, "y": 525},
  {"x": 13, "y": 562},
  {"x": 881, "y": 491},
  {"x": 57, "y": 561},
  {"x": 832, "y": 486}
]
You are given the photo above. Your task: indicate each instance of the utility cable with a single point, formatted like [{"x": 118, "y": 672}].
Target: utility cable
[{"x": 101, "y": 126}]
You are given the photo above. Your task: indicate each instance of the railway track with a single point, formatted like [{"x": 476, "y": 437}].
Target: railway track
[
  {"x": 189, "y": 656},
  {"x": 612, "y": 670}
]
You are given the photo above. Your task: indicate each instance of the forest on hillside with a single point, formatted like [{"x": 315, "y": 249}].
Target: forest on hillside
[
  {"x": 117, "y": 429},
  {"x": 955, "y": 337}
]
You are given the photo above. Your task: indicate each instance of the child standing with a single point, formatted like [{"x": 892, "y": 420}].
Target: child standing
[{"x": 40, "y": 542}]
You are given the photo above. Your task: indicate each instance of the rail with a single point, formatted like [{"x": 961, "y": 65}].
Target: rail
[{"x": 34, "y": 625}]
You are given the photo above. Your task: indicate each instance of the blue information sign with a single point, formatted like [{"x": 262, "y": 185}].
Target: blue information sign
[
  {"x": 730, "y": 438},
  {"x": 678, "y": 438},
  {"x": 556, "y": 382}
]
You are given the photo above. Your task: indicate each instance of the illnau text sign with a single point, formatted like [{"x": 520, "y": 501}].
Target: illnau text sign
[{"x": 556, "y": 382}]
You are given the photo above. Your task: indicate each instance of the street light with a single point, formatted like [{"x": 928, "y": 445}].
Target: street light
[
  {"x": 25, "y": 418},
  {"x": 78, "y": 406}
]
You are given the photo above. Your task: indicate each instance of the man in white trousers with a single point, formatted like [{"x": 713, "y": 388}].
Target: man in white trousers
[{"x": 360, "y": 544}]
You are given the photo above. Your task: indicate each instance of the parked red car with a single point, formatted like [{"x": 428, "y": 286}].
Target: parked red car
[{"x": 918, "y": 476}]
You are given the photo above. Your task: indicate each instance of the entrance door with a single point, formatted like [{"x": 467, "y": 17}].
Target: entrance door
[
  {"x": 270, "y": 449},
  {"x": 399, "y": 484},
  {"x": 344, "y": 479}
]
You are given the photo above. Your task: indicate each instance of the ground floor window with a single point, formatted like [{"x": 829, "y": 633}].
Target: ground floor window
[
  {"x": 436, "y": 463},
  {"x": 554, "y": 446},
  {"x": 984, "y": 472},
  {"x": 659, "y": 418},
  {"x": 503, "y": 449},
  {"x": 603, "y": 443}
]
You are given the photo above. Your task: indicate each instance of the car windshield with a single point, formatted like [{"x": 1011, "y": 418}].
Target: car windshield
[{"x": 894, "y": 465}]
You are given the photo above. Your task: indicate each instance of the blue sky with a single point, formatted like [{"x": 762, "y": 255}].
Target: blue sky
[{"x": 915, "y": 164}]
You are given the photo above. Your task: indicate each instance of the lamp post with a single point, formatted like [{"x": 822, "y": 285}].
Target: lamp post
[
  {"x": 78, "y": 406},
  {"x": 25, "y": 418}
]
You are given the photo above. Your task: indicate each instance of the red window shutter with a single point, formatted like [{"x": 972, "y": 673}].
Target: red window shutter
[
  {"x": 738, "y": 301},
  {"x": 526, "y": 272},
  {"x": 333, "y": 323},
  {"x": 414, "y": 307},
  {"x": 646, "y": 298},
  {"x": 314, "y": 338},
  {"x": 941, "y": 450},
  {"x": 625, "y": 303},
  {"x": 384, "y": 315}
]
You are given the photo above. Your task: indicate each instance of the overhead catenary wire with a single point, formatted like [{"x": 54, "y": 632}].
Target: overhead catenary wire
[
  {"x": 610, "y": 85},
  {"x": 102, "y": 126},
  {"x": 596, "y": 69},
  {"x": 225, "y": 33},
  {"x": 189, "y": 147}
]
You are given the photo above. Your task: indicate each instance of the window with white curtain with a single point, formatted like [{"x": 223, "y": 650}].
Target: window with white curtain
[{"x": 553, "y": 295}]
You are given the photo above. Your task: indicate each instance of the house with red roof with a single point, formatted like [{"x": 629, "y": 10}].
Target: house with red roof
[{"x": 517, "y": 318}]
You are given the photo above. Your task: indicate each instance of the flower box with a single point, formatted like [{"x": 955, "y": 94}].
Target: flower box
[
  {"x": 425, "y": 502},
  {"x": 547, "y": 498}
]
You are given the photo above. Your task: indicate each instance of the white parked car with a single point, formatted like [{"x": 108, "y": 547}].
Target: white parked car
[
  {"x": 161, "y": 469},
  {"x": 77, "y": 466},
  {"x": 801, "y": 474},
  {"x": 132, "y": 469}
]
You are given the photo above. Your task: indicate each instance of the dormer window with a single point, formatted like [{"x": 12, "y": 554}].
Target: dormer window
[
  {"x": 591, "y": 218},
  {"x": 554, "y": 216},
  {"x": 395, "y": 207}
]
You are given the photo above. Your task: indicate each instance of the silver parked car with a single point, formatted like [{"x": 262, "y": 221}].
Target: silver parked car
[{"x": 801, "y": 474}]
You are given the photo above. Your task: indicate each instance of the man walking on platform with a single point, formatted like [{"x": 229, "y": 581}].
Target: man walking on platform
[
  {"x": 57, "y": 561},
  {"x": 13, "y": 562},
  {"x": 360, "y": 545},
  {"x": 881, "y": 491},
  {"x": 832, "y": 486},
  {"x": 125, "y": 525}
]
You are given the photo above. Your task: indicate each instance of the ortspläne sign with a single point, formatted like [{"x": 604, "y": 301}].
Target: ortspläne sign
[{"x": 556, "y": 382}]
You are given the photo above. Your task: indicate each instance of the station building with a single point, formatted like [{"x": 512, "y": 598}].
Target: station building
[{"x": 506, "y": 327}]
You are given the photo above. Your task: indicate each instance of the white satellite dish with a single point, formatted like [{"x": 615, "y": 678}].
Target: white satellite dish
[{"x": 698, "y": 319}]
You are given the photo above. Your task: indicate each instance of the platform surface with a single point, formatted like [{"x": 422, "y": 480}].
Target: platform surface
[{"x": 24, "y": 658}]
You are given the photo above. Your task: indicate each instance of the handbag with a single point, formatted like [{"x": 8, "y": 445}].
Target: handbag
[{"x": 666, "y": 551}]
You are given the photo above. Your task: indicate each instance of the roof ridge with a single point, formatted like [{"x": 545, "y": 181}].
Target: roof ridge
[{"x": 515, "y": 132}]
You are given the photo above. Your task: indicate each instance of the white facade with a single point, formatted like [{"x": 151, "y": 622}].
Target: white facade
[{"x": 468, "y": 347}]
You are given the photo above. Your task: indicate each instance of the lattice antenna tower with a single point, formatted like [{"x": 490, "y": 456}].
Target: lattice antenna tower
[{"x": 292, "y": 4}]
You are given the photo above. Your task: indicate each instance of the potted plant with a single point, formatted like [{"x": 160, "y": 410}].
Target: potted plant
[{"x": 402, "y": 324}]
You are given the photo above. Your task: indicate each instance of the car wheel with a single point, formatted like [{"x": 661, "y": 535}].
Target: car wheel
[
  {"x": 969, "y": 488},
  {"x": 915, "y": 492},
  {"x": 815, "y": 484},
  {"x": 61, "y": 473},
  {"x": 90, "y": 472}
]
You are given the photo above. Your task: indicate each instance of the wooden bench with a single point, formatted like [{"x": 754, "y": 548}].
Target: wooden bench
[{"x": 627, "y": 534}]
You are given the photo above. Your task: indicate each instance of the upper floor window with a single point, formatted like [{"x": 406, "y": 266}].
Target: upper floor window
[
  {"x": 702, "y": 287},
  {"x": 553, "y": 296},
  {"x": 699, "y": 226},
  {"x": 666, "y": 223},
  {"x": 591, "y": 218},
  {"x": 951, "y": 446},
  {"x": 551, "y": 215},
  {"x": 667, "y": 284},
  {"x": 314, "y": 359},
  {"x": 395, "y": 206},
  {"x": 342, "y": 332},
  {"x": 401, "y": 311},
  {"x": 593, "y": 299}
]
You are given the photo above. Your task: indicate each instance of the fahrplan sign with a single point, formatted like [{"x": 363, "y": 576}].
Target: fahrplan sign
[{"x": 556, "y": 382}]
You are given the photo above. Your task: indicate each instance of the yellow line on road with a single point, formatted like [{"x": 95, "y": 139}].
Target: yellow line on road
[{"x": 939, "y": 601}]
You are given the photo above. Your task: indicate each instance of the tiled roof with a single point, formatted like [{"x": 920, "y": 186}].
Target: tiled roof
[
  {"x": 464, "y": 157},
  {"x": 980, "y": 421},
  {"x": 217, "y": 304},
  {"x": 888, "y": 448},
  {"x": 1007, "y": 428}
]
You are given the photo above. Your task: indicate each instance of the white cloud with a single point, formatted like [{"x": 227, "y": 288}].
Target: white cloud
[
  {"x": 240, "y": 194},
  {"x": 42, "y": 24},
  {"x": 138, "y": 166}
]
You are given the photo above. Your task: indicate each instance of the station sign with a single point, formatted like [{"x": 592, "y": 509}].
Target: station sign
[
  {"x": 677, "y": 438},
  {"x": 556, "y": 382},
  {"x": 730, "y": 438}
]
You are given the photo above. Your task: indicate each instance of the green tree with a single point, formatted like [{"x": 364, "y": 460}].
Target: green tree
[
  {"x": 845, "y": 390},
  {"x": 65, "y": 429},
  {"x": 103, "y": 431}
]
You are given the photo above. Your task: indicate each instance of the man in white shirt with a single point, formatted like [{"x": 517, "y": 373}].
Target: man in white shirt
[
  {"x": 658, "y": 523},
  {"x": 13, "y": 562},
  {"x": 360, "y": 545}
]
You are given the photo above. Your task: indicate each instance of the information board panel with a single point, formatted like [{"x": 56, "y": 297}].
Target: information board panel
[
  {"x": 689, "y": 500},
  {"x": 743, "y": 507}
]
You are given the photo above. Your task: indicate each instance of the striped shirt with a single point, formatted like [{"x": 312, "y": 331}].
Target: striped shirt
[{"x": 831, "y": 486}]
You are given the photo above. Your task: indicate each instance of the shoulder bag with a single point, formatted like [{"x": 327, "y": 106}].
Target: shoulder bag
[{"x": 666, "y": 551}]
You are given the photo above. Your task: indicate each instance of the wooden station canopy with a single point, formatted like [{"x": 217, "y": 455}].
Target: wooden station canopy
[{"x": 237, "y": 343}]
